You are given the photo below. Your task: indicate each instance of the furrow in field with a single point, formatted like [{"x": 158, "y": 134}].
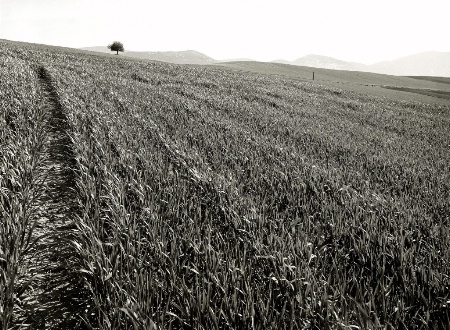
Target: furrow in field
[{"x": 56, "y": 293}]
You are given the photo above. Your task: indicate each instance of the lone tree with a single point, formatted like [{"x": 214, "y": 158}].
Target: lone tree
[{"x": 116, "y": 46}]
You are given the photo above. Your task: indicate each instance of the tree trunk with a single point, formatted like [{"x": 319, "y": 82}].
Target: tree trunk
[{"x": 117, "y": 52}]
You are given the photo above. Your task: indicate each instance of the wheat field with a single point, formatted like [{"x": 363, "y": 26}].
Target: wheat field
[{"x": 148, "y": 195}]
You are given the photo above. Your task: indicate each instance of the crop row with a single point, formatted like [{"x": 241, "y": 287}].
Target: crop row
[{"x": 215, "y": 199}]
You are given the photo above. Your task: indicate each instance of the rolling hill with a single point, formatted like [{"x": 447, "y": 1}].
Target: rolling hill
[
  {"x": 325, "y": 62},
  {"x": 140, "y": 194},
  {"x": 413, "y": 88},
  {"x": 422, "y": 64},
  {"x": 176, "y": 57},
  {"x": 436, "y": 64}
]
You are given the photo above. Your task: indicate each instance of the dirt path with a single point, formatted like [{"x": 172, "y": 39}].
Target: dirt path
[{"x": 53, "y": 294}]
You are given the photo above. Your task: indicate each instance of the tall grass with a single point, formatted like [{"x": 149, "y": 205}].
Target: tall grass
[
  {"x": 214, "y": 199},
  {"x": 38, "y": 275},
  {"x": 21, "y": 145}
]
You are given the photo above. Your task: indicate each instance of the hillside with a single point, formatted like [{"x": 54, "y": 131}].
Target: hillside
[
  {"x": 423, "y": 64},
  {"x": 139, "y": 194},
  {"x": 420, "y": 89},
  {"x": 180, "y": 57},
  {"x": 323, "y": 62},
  {"x": 326, "y": 62},
  {"x": 177, "y": 57}
]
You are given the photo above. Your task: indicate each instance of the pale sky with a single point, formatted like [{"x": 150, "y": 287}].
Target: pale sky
[{"x": 364, "y": 31}]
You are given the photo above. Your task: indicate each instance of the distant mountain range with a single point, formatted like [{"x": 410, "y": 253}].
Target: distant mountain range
[
  {"x": 422, "y": 64},
  {"x": 324, "y": 62}
]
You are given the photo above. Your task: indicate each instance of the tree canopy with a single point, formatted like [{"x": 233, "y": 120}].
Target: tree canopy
[{"x": 117, "y": 47}]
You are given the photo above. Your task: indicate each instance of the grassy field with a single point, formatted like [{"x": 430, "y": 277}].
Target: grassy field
[
  {"x": 145, "y": 195},
  {"x": 420, "y": 89}
]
